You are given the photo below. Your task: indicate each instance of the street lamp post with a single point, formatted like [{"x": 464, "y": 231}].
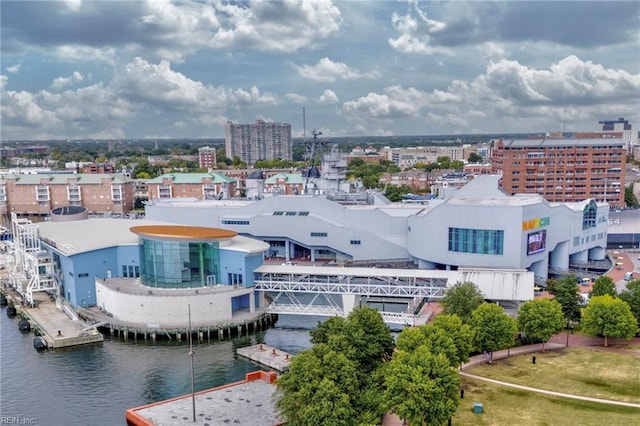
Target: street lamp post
[{"x": 569, "y": 328}]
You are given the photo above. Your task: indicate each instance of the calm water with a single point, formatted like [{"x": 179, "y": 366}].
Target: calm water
[{"x": 96, "y": 384}]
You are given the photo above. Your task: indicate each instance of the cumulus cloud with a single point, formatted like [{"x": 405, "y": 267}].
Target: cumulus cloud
[
  {"x": 476, "y": 23},
  {"x": 162, "y": 87},
  {"x": 61, "y": 82},
  {"x": 13, "y": 69},
  {"x": 296, "y": 98},
  {"x": 507, "y": 92},
  {"x": 86, "y": 111},
  {"x": 169, "y": 30},
  {"x": 328, "y": 97},
  {"x": 328, "y": 71}
]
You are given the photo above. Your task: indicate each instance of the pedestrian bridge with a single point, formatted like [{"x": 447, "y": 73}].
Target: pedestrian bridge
[{"x": 398, "y": 294}]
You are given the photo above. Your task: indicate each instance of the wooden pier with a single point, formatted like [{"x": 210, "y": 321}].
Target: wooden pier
[{"x": 267, "y": 356}]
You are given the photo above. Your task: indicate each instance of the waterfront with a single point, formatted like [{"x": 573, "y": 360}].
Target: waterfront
[{"x": 97, "y": 383}]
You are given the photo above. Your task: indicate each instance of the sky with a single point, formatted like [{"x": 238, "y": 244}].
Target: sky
[{"x": 80, "y": 69}]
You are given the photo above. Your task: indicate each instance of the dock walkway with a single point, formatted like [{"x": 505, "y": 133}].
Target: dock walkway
[
  {"x": 266, "y": 355},
  {"x": 57, "y": 327}
]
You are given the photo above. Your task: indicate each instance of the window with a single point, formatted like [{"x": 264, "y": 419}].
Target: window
[
  {"x": 355, "y": 242},
  {"x": 589, "y": 215},
  {"x": 478, "y": 241},
  {"x": 235, "y": 222},
  {"x": 83, "y": 275},
  {"x": 290, "y": 213},
  {"x": 303, "y": 213},
  {"x": 278, "y": 213},
  {"x": 318, "y": 234},
  {"x": 125, "y": 273}
]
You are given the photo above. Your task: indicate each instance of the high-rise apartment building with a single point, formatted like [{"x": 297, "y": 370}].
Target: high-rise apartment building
[
  {"x": 207, "y": 157},
  {"x": 563, "y": 170},
  {"x": 260, "y": 141}
]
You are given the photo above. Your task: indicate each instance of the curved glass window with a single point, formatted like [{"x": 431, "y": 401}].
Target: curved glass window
[
  {"x": 589, "y": 215},
  {"x": 179, "y": 264}
]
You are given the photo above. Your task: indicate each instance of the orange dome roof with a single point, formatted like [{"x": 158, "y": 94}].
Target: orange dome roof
[{"x": 183, "y": 232}]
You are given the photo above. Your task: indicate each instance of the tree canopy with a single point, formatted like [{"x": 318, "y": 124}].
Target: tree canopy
[
  {"x": 421, "y": 387},
  {"x": 630, "y": 198},
  {"x": 362, "y": 336},
  {"x": 608, "y": 317},
  {"x": 540, "y": 319},
  {"x": 462, "y": 299},
  {"x": 603, "y": 285},
  {"x": 319, "y": 388},
  {"x": 631, "y": 295},
  {"x": 364, "y": 344},
  {"x": 492, "y": 329},
  {"x": 566, "y": 293}
]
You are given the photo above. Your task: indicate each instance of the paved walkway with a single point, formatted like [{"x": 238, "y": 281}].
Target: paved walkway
[{"x": 548, "y": 392}]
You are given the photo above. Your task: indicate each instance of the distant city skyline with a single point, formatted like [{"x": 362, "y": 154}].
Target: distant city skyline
[{"x": 161, "y": 69}]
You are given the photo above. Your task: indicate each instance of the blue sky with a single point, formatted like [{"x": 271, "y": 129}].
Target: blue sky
[{"x": 167, "y": 69}]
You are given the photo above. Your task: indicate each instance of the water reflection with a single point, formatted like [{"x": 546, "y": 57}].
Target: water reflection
[{"x": 96, "y": 384}]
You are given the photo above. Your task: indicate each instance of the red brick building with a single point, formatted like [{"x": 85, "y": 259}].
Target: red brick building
[{"x": 563, "y": 169}]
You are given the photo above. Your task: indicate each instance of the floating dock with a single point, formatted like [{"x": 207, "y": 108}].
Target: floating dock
[
  {"x": 56, "y": 325},
  {"x": 267, "y": 356}
]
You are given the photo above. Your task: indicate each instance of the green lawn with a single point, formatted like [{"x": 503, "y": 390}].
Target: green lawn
[
  {"x": 580, "y": 371},
  {"x": 506, "y": 406}
]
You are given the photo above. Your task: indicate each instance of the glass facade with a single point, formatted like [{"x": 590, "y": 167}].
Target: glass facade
[
  {"x": 179, "y": 264},
  {"x": 478, "y": 241},
  {"x": 589, "y": 215}
]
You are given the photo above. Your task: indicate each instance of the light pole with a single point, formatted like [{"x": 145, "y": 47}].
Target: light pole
[{"x": 569, "y": 328}]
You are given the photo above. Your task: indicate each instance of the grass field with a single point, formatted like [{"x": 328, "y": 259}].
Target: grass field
[
  {"x": 505, "y": 407},
  {"x": 580, "y": 371}
]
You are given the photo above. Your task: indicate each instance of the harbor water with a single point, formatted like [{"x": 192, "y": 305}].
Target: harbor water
[{"x": 95, "y": 384}]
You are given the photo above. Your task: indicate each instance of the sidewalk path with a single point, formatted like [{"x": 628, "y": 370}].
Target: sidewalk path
[
  {"x": 506, "y": 353},
  {"x": 548, "y": 392}
]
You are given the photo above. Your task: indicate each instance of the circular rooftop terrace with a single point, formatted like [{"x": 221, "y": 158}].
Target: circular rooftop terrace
[{"x": 178, "y": 232}]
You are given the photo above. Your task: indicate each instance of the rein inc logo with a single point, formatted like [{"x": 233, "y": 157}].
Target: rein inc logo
[
  {"x": 17, "y": 420},
  {"x": 538, "y": 222}
]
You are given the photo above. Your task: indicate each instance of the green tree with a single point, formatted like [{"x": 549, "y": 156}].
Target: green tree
[
  {"x": 565, "y": 291},
  {"x": 631, "y": 295},
  {"x": 540, "y": 319},
  {"x": 370, "y": 339},
  {"x": 444, "y": 162},
  {"x": 421, "y": 387},
  {"x": 462, "y": 299},
  {"x": 457, "y": 165},
  {"x": 474, "y": 158},
  {"x": 238, "y": 163},
  {"x": 603, "y": 285},
  {"x": 318, "y": 388},
  {"x": 492, "y": 329},
  {"x": 608, "y": 317},
  {"x": 461, "y": 334},
  {"x": 630, "y": 198},
  {"x": 365, "y": 340}
]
